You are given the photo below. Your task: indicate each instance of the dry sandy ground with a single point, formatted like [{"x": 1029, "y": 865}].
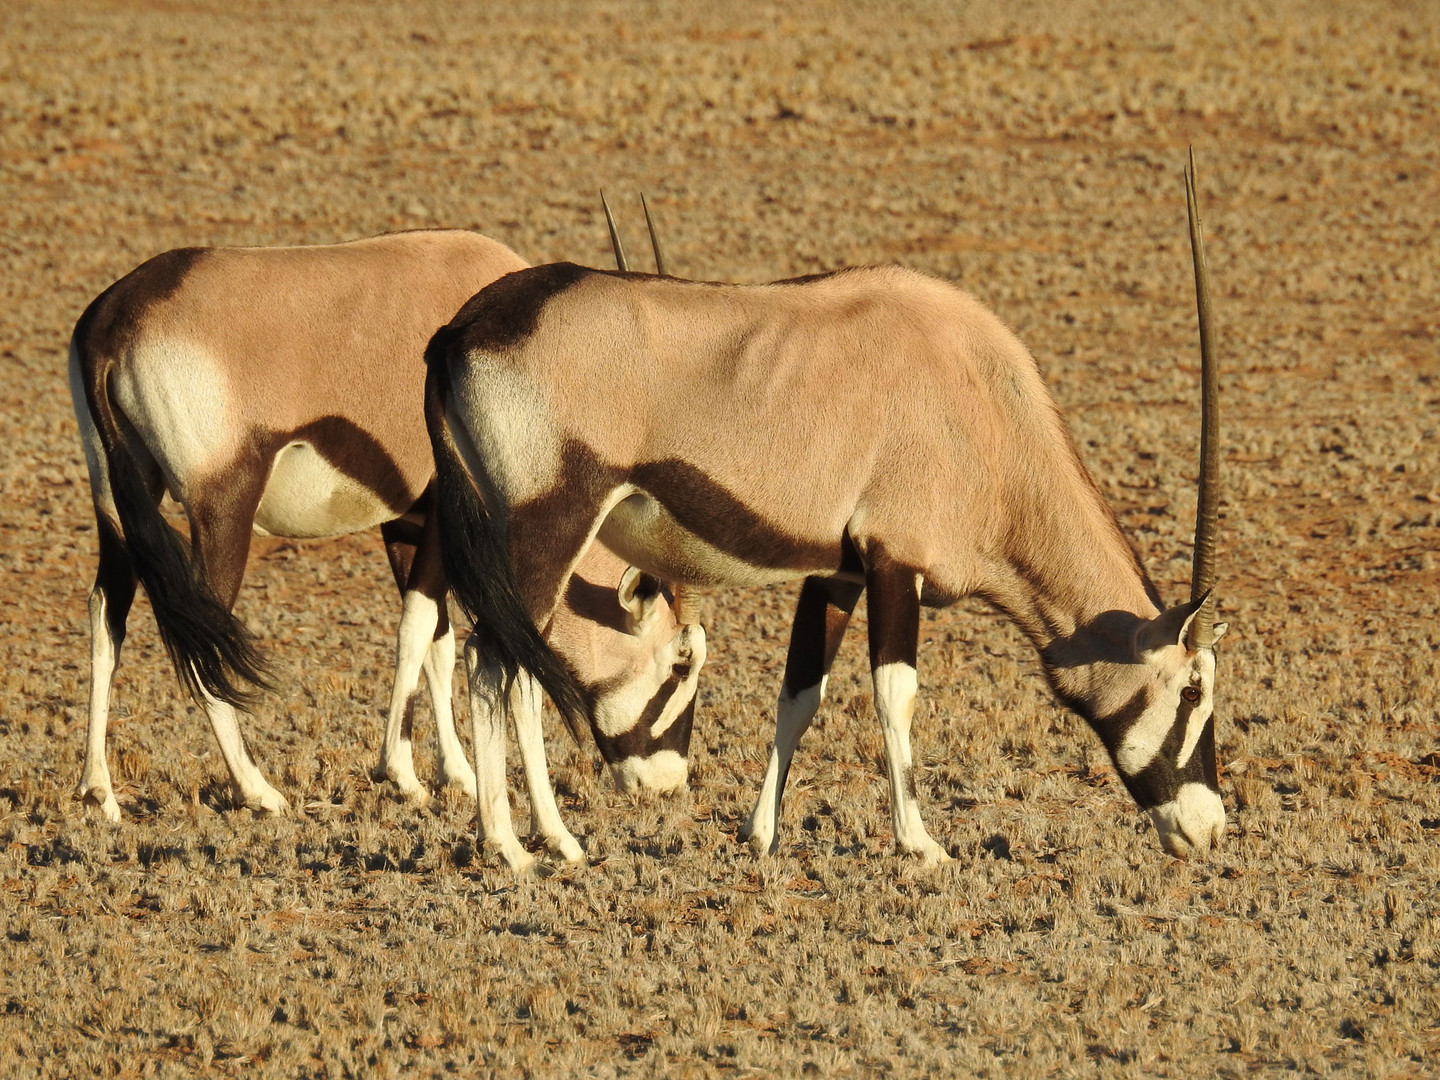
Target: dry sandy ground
[{"x": 1031, "y": 156}]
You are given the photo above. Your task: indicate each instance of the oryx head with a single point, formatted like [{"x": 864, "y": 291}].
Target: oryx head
[
  {"x": 1147, "y": 688},
  {"x": 644, "y": 654},
  {"x": 1147, "y": 685}
]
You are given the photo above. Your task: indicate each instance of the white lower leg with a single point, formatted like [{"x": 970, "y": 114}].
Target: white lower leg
[
  {"x": 545, "y": 820},
  {"x": 254, "y": 791},
  {"x": 895, "y": 686},
  {"x": 793, "y": 715},
  {"x": 452, "y": 768},
  {"x": 487, "y": 727},
  {"x": 95, "y": 774},
  {"x": 419, "y": 616}
]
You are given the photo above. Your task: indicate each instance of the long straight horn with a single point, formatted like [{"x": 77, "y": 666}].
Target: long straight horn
[
  {"x": 654, "y": 239},
  {"x": 1207, "y": 512},
  {"x": 621, "y": 263}
]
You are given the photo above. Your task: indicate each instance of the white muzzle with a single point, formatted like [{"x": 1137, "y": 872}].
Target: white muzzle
[{"x": 1192, "y": 823}]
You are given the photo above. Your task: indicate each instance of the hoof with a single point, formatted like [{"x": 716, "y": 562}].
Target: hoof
[
  {"x": 268, "y": 802},
  {"x": 567, "y": 848},
  {"x": 760, "y": 847},
  {"x": 401, "y": 773},
  {"x": 103, "y": 798},
  {"x": 463, "y": 782},
  {"x": 516, "y": 858},
  {"x": 932, "y": 855},
  {"x": 411, "y": 790},
  {"x": 762, "y": 840}
]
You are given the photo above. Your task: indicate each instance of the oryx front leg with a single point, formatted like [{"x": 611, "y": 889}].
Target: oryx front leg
[
  {"x": 425, "y": 641},
  {"x": 423, "y": 645},
  {"x": 894, "y": 635},
  {"x": 545, "y": 819},
  {"x": 821, "y": 617},
  {"x": 452, "y": 769},
  {"x": 487, "y": 726},
  {"x": 419, "y": 617}
]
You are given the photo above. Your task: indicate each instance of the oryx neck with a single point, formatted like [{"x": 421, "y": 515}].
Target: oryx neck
[{"x": 1065, "y": 564}]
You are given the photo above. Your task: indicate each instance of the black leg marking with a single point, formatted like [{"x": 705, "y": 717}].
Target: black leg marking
[
  {"x": 407, "y": 723},
  {"x": 821, "y": 617},
  {"x": 894, "y": 615},
  {"x": 115, "y": 577},
  {"x": 400, "y": 540}
]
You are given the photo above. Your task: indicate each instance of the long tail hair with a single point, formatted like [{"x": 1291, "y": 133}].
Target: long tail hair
[
  {"x": 212, "y": 650},
  {"x": 477, "y": 558}
]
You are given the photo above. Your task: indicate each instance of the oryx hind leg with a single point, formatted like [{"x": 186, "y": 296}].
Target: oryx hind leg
[
  {"x": 253, "y": 789},
  {"x": 110, "y": 602},
  {"x": 425, "y": 641},
  {"x": 220, "y": 527},
  {"x": 487, "y": 724},
  {"x": 894, "y": 609},
  {"x": 545, "y": 822},
  {"x": 821, "y": 617},
  {"x": 545, "y": 543}
]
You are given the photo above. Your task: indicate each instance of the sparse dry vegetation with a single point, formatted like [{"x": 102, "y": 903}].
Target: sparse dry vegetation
[{"x": 1032, "y": 156}]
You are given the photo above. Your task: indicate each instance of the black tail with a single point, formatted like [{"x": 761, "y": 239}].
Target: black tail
[
  {"x": 211, "y": 648},
  {"x": 477, "y": 559}
]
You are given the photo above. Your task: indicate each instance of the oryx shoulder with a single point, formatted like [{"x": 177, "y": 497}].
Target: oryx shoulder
[{"x": 505, "y": 313}]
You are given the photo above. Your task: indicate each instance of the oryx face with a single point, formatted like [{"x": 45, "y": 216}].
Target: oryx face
[
  {"x": 641, "y": 680},
  {"x": 1154, "y": 710}
]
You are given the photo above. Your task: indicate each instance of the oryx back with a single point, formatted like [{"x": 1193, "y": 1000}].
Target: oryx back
[{"x": 910, "y": 411}]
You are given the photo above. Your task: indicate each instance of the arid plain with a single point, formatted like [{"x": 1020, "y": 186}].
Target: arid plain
[{"x": 1031, "y": 153}]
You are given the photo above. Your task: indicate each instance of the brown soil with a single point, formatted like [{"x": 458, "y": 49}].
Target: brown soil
[{"x": 1032, "y": 157}]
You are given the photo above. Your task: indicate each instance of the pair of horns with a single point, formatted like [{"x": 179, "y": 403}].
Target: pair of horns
[
  {"x": 621, "y": 262},
  {"x": 1201, "y": 634},
  {"x": 685, "y": 604}
]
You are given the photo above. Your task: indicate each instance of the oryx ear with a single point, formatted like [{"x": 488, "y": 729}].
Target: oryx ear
[
  {"x": 639, "y": 594},
  {"x": 1218, "y": 631},
  {"x": 1168, "y": 628}
]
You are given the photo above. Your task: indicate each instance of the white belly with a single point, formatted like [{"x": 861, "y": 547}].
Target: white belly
[
  {"x": 307, "y": 496},
  {"x": 642, "y": 532}
]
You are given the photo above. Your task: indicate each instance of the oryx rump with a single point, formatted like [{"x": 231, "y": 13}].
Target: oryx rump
[{"x": 870, "y": 429}]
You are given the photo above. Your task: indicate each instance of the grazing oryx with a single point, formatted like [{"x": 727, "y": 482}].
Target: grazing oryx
[
  {"x": 866, "y": 429},
  {"x": 280, "y": 390}
]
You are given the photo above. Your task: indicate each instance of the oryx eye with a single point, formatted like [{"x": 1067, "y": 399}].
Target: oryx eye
[{"x": 1191, "y": 694}]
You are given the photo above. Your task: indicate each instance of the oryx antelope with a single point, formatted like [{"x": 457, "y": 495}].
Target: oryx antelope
[
  {"x": 280, "y": 390},
  {"x": 870, "y": 429}
]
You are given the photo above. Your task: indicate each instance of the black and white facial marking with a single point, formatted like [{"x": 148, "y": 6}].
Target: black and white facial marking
[
  {"x": 643, "y": 710},
  {"x": 652, "y": 753},
  {"x": 1162, "y": 737}
]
